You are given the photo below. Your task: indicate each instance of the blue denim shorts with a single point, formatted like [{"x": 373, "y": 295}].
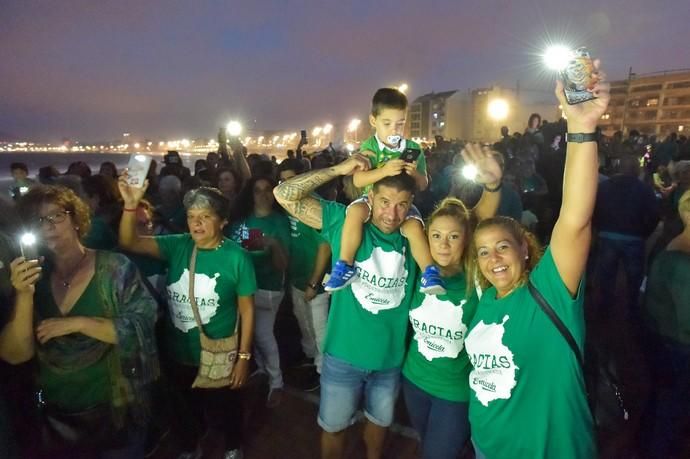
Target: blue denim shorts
[{"x": 342, "y": 386}]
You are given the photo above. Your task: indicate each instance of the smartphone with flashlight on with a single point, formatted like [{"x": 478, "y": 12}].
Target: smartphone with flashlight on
[
  {"x": 578, "y": 78},
  {"x": 410, "y": 155},
  {"x": 138, "y": 169},
  {"x": 28, "y": 246}
]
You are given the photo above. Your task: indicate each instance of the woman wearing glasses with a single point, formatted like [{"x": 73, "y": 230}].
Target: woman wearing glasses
[{"x": 88, "y": 320}]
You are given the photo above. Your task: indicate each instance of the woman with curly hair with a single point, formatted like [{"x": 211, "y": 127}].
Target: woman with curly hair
[{"x": 88, "y": 319}]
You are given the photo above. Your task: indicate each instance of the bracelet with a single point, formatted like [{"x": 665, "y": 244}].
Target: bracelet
[
  {"x": 244, "y": 355},
  {"x": 581, "y": 137},
  {"x": 496, "y": 188},
  {"x": 129, "y": 210}
]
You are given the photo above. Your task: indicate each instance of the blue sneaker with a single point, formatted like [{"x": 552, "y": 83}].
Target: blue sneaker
[
  {"x": 342, "y": 275},
  {"x": 432, "y": 283}
]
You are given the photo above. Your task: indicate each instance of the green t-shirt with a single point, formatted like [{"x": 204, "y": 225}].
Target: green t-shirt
[
  {"x": 436, "y": 360},
  {"x": 382, "y": 155},
  {"x": 274, "y": 225},
  {"x": 367, "y": 322},
  {"x": 221, "y": 275},
  {"x": 528, "y": 395},
  {"x": 667, "y": 296},
  {"x": 304, "y": 245},
  {"x": 78, "y": 389}
]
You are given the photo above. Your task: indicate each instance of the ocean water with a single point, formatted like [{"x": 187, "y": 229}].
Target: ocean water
[{"x": 61, "y": 161}]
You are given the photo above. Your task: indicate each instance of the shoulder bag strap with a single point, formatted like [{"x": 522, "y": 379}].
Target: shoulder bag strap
[
  {"x": 558, "y": 323},
  {"x": 192, "y": 298}
]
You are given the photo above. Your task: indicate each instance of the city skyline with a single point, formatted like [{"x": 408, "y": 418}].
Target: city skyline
[{"x": 181, "y": 70}]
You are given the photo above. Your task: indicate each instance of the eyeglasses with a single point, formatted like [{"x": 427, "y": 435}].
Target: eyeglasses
[{"x": 55, "y": 218}]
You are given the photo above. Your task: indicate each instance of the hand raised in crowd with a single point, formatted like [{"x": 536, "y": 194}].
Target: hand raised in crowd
[
  {"x": 489, "y": 170},
  {"x": 131, "y": 195},
  {"x": 584, "y": 117},
  {"x": 24, "y": 275},
  {"x": 54, "y": 328},
  {"x": 355, "y": 163},
  {"x": 394, "y": 167}
]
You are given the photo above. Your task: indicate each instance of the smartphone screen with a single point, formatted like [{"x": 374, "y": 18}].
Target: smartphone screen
[{"x": 138, "y": 169}]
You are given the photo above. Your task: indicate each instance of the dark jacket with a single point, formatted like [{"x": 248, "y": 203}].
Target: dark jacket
[{"x": 626, "y": 205}]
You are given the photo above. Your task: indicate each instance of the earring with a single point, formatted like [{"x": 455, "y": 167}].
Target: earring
[{"x": 526, "y": 257}]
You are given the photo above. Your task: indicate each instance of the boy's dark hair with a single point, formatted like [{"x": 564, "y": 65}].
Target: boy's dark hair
[
  {"x": 400, "y": 182},
  {"x": 21, "y": 166},
  {"x": 388, "y": 98}
]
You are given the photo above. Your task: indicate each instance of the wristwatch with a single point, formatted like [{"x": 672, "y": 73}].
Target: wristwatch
[
  {"x": 244, "y": 355},
  {"x": 581, "y": 137}
]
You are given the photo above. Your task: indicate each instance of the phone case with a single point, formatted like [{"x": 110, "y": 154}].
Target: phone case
[
  {"x": 138, "y": 169},
  {"x": 577, "y": 77}
]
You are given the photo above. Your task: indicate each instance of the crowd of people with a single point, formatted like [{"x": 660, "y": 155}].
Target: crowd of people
[{"x": 147, "y": 310}]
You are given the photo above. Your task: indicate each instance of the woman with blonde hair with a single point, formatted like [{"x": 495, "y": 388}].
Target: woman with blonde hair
[
  {"x": 436, "y": 368},
  {"x": 527, "y": 390}
]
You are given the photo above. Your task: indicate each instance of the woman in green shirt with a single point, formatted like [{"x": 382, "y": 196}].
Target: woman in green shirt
[
  {"x": 224, "y": 285},
  {"x": 263, "y": 229},
  {"x": 436, "y": 368},
  {"x": 88, "y": 319},
  {"x": 527, "y": 388}
]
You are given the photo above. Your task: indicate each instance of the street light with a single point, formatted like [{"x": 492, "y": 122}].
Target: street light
[
  {"x": 353, "y": 127},
  {"x": 403, "y": 88},
  {"x": 327, "y": 128},
  {"x": 234, "y": 128},
  {"x": 316, "y": 131},
  {"x": 498, "y": 109}
]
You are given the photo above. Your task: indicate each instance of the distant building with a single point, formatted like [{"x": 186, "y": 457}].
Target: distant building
[
  {"x": 427, "y": 115},
  {"x": 655, "y": 103},
  {"x": 465, "y": 116}
]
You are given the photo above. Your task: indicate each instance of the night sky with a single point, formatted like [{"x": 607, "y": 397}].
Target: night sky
[{"x": 91, "y": 70}]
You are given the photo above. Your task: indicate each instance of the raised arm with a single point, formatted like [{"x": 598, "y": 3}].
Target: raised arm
[
  {"x": 570, "y": 241},
  {"x": 295, "y": 195},
  {"x": 128, "y": 238},
  {"x": 489, "y": 175}
]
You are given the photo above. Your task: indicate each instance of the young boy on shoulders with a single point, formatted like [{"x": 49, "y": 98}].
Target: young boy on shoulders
[{"x": 385, "y": 150}]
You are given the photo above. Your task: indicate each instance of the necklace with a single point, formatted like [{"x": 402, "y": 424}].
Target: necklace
[{"x": 66, "y": 280}]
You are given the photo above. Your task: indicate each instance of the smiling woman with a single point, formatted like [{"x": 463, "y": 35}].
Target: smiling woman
[{"x": 527, "y": 386}]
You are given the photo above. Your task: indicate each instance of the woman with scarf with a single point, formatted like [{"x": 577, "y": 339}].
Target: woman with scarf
[{"x": 88, "y": 319}]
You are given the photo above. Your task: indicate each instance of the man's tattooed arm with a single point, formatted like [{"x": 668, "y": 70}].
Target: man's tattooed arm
[{"x": 295, "y": 194}]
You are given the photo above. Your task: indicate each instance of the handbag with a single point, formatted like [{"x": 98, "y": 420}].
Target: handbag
[
  {"x": 218, "y": 356},
  {"x": 604, "y": 396}
]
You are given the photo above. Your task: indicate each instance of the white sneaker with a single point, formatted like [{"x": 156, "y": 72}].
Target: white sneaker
[{"x": 233, "y": 454}]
